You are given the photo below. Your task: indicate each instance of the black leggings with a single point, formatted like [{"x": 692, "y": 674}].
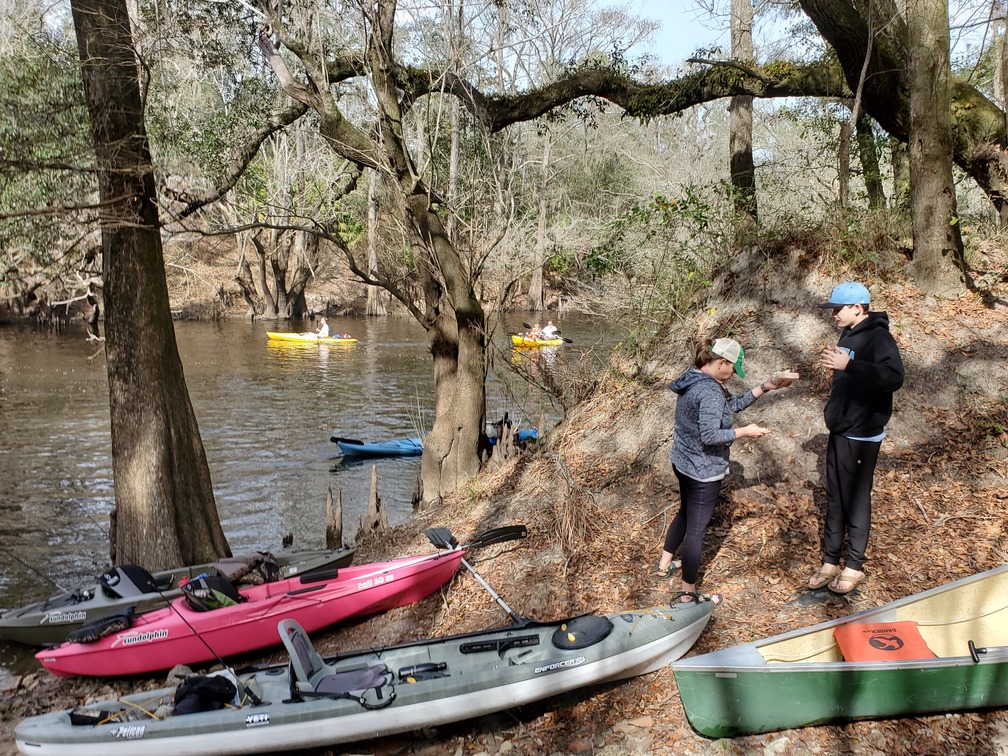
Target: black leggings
[
  {"x": 850, "y": 470},
  {"x": 690, "y": 524}
]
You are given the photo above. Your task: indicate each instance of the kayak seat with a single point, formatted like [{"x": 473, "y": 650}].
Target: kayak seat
[
  {"x": 312, "y": 676},
  {"x": 126, "y": 581},
  {"x": 881, "y": 641}
]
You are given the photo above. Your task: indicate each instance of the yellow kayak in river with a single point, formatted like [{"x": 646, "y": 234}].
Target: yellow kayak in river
[
  {"x": 527, "y": 341},
  {"x": 308, "y": 338}
]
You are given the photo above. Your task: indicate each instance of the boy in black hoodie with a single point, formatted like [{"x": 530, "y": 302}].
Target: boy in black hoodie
[{"x": 867, "y": 370}]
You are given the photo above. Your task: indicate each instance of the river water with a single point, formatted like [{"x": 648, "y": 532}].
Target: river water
[{"x": 266, "y": 412}]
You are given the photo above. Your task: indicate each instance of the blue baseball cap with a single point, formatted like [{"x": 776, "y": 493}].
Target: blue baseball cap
[{"x": 850, "y": 293}]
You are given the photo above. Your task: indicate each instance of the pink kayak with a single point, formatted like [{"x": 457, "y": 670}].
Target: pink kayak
[{"x": 179, "y": 634}]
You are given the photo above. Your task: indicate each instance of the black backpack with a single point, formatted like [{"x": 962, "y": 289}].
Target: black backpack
[
  {"x": 199, "y": 693},
  {"x": 207, "y": 592}
]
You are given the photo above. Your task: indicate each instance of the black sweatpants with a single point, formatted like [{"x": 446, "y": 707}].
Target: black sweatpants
[
  {"x": 689, "y": 526},
  {"x": 850, "y": 470}
]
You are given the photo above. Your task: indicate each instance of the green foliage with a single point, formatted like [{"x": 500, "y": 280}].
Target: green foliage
[
  {"x": 45, "y": 158},
  {"x": 475, "y": 187},
  {"x": 855, "y": 243},
  {"x": 191, "y": 125},
  {"x": 562, "y": 262},
  {"x": 664, "y": 252},
  {"x": 349, "y": 226}
]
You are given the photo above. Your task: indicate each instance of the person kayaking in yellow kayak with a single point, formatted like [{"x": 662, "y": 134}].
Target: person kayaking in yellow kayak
[{"x": 322, "y": 332}]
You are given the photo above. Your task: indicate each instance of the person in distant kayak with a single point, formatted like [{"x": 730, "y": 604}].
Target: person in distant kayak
[
  {"x": 549, "y": 331},
  {"x": 867, "y": 371},
  {"x": 535, "y": 332},
  {"x": 323, "y": 329},
  {"x": 704, "y": 417}
]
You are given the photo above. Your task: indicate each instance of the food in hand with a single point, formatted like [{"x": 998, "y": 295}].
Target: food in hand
[{"x": 784, "y": 378}]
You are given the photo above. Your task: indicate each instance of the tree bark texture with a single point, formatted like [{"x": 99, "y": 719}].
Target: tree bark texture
[
  {"x": 938, "y": 250},
  {"x": 165, "y": 512},
  {"x": 901, "y": 175},
  {"x": 740, "y": 149},
  {"x": 868, "y": 153}
]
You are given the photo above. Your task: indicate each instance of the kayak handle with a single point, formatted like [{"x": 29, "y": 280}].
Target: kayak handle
[
  {"x": 309, "y": 589},
  {"x": 316, "y": 576},
  {"x": 975, "y": 652},
  {"x": 374, "y": 707}
]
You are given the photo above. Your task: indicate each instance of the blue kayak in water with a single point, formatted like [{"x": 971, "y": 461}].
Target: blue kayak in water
[{"x": 402, "y": 447}]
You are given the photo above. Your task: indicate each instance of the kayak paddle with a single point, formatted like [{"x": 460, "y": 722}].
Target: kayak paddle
[{"x": 337, "y": 439}]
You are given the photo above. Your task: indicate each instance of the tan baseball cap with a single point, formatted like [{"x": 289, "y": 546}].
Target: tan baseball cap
[{"x": 732, "y": 351}]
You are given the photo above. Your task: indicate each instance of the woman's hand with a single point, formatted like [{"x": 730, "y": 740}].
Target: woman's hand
[
  {"x": 780, "y": 379},
  {"x": 751, "y": 431}
]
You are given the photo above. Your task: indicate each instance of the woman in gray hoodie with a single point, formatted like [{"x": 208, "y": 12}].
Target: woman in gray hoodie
[{"x": 703, "y": 435}]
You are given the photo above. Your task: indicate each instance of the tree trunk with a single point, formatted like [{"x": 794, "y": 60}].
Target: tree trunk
[
  {"x": 536, "y": 293},
  {"x": 901, "y": 175},
  {"x": 450, "y": 455},
  {"x": 741, "y": 165},
  {"x": 165, "y": 513},
  {"x": 453, "y": 170},
  {"x": 868, "y": 152},
  {"x": 457, "y": 324},
  {"x": 904, "y": 72},
  {"x": 1002, "y": 91},
  {"x": 938, "y": 248},
  {"x": 257, "y": 305},
  {"x": 843, "y": 165},
  {"x": 269, "y": 297},
  {"x": 375, "y": 294}
]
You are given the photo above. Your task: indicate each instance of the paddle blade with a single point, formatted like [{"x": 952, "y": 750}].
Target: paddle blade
[
  {"x": 498, "y": 535},
  {"x": 441, "y": 537},
  {"x": 337, "y": 439}
]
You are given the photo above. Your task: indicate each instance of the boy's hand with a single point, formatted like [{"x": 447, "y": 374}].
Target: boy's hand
[{"x": 834, "y": 358}]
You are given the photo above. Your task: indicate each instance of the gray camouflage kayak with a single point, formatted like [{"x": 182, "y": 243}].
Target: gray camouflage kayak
[
  {"x": 366, "y": 694},
  {"x": 50, "y": 621}
]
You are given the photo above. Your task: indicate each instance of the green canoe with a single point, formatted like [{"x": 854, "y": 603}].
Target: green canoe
[{"x": 942, "y": 650}]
